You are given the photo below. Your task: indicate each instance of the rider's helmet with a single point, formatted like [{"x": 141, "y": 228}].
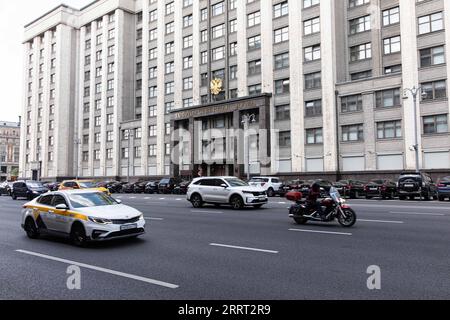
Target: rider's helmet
[{"x": 315, "y": 187}]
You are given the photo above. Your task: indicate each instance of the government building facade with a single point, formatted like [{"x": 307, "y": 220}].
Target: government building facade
[{"x": 152, "y": 88}]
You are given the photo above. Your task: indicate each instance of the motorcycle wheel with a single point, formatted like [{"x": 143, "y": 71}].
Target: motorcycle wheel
[
  {"x": 350, "y": 220},
  {"x": 299, "y": 220}
]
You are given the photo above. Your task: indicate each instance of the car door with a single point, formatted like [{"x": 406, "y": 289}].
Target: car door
[
  {"x": 60, "y": 218},
  {"x": 219, "y": 193},
  {"x": 207, "y": 190},
  {"x": 276, "y": 184},
  {"x": 43, "y": 212}
]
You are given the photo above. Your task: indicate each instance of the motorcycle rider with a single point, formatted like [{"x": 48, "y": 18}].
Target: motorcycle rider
[{"x": 312, "y": 202}]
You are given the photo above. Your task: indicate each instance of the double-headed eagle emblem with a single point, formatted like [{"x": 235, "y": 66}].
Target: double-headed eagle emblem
[{"x": 216, "y": 86}]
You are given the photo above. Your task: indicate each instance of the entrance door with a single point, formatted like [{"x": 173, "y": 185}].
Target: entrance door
[{"x": 218, "y": 170}]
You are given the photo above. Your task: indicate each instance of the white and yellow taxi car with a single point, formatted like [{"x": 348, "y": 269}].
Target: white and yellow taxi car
[{"x": 82, "y": 216}]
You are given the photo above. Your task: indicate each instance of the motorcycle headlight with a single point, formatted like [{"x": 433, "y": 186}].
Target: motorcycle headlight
[{"x": 100, "y": 220}]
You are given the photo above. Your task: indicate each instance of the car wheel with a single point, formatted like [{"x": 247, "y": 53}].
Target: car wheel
[
  {"x": 31, "y": 229},
  {"x": 237, "y": 203},
  {"x": 427, "y": 196},
  {"x": 78, "y": 236},
  {"x": 14, "y": 196},
  {"x": 441, "y": 198},
  {"x": 270, "y": 192},
  {"x": 368, "y": 197},
  {"x": 401, "y": 197},
  {"x": 411, "y": 197},
  {"x": 196, "y": 201}
]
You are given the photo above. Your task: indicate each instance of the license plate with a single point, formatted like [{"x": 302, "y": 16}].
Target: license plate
[
  {"x": 128, "y": 227},
  {"x": 374, "y": 189},
  {"x": 262, "y": 198},
  {"x": 409, "y": 185}
]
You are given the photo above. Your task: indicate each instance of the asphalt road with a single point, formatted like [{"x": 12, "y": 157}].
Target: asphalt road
[{"x": 218, "y": 253}]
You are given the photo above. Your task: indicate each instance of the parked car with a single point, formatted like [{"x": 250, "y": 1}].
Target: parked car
[
  {"x": 52, "y": 186},
  {"x": 5, "y": 188},
  {"x": 227, "y": 191},
  {"x": 413, "y": 184},
  {"x": 151, "y": 187},
  {"x": 139, "y": 187},
  {"x": 350, "y": 188},
  {"x": 128, "y": 188},
  {"x": 81, "y": 185},
  {"x": 443, "y": 188},
  {"x": 292, "y": 185},
  {"x": 383, "y": 188},
  {"x": 27, "y": 189},
  {"x": 112, "y": 186},
  {"x": 325, "y": 187},
  {"x": 182, "y": 187},
  {"x": 269, "y": 184},
  {"x": 167, "y": 185}
]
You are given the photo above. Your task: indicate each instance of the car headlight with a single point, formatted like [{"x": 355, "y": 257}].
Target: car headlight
[
  {"x": 100, "y": 220},
  {"x": 248, "y": 192},
  {"x": 141, "y": 217}
]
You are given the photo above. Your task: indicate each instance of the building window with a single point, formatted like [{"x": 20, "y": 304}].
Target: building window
[
  {"x": 391, "y": 16},
  {"x": 254, "y": 67},
  {"x": 353, "y": 133},
  {"x": 218, "y": 53},
  {"x": 109, "y": 154},
  {"x": 254, "y": 89},
  {"x": 254, "y": 19},
  {"x": 218, "y": 8},
  {"x": 170, "y": 47},
  {"x": 310, "y": 3},
  {"x": 233, "y": 49},
  {"x": 254, "y": 42},
  {"x": 360, "y": 24},
  {"x": 388, "y": 98},
  {"x": 281, "y": 35},
  {"x": 281, "y": 61},
  {"x": 187, "y": 83},
  {"x": 152, "y": 150},
  {"x": 311, "y": 26},
  {"x": 282, "y": 86},
  {"x": 434, "y": 90},
  {"x": 432, "y": 56},
  {"x": 170, "y": 87},
  {"x": 314, "y": 136},
  {"x": 312, "y": 53},
  {"x": 187, "y": 21},
  {"x": 187, "y": 62},
  {"x": 356, "y": 3},
  {"x": 152, "y": 131},
  {"x": 313, "y": 108},
  {"x": 281, "y": 9},
  {"x": 137, "y": 152},
  {"x": 361, "y": 52},
  {"x": 361, "y": 75},
  {"x": 435, "y": 124},
  {"x": 393, "y": 69},
  {"x": 233, "y": 72},
  {"x": 389, "y": 129},
  {"x": 170, "y": 8},
  {"x": 392, "y": 45},
  {"x": 431, "y": 23},
  {"x": 170, "y": 27},
  {"x": 283, "y": 112},
  {"x": 351, "y": 103},
  {"x": 284, "y": 139},
  {"x": 188, "y": 41},
  {"x": 313, "y": 80},
  {"x": 217, "y": 31},
  {"x": 233, "y": 25},
  {"x": 124, "y": 153}
]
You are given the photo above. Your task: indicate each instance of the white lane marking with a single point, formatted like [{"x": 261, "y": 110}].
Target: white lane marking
[
  {"x": 242, "y": 248},
  {"x": 119, "y": 197},
  {"x": 325, "y": 232},
  {"x": 398, "y": 207},
  {"x": 381, "y": 221},
  {"x": 156, "y": 219},
  {"x": 178, "y": 199},
  {"x": 204, "y": 211},
  {"x": 113, "y": 272},
  {"x": 132, "y": 198},
  {"x": 281, "y": 202},
  {"x": 418, "y": 213},
  {"x": 146, "y": 198},
  {"x": 162, "y": 198}
]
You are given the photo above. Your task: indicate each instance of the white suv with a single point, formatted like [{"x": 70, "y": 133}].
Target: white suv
[
  {"x": 225, "y": 190},
  {"x": 270, "y": 184}
]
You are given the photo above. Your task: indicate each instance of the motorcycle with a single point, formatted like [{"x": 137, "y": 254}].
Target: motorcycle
[{"x": 334, "y": 207}]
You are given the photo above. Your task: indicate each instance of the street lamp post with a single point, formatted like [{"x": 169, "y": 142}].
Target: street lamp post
[
  {"x": 130, "y": 134},
  {"x": 77, "y": 143},
  {"x": 246, "y": 120},
  {"x": 414, "y": 91}
]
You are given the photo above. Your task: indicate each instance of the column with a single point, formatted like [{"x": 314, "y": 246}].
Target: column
[
  {"x": 447, "y": 41},
  {"x": 160, "y": 148},
  {"x": 145, "y": 81},
  {"x": 327, "y": 19},
  {"x": 81, "y": 80},
  {"x": 242, "y": 47},
  {"x": 46, "y": 103},
  {"x": 408, "y": 25},
  {"x": 196, "y": 53},
  {"x": 23, "y": 128},
  {"x": 104, "y": 96},
  {"x": 118, "y": 89},
  {"x": 296, "y": 70}
]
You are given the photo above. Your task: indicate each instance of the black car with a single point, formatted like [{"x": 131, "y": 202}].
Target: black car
[
  {"x": 182, "y": 187},
  {"x": 383, "y": 188},
  {"x": 5, "y": 188},
  {"x": 112, "y": 186},
  {"x": 416, "y": 184},
  {"x": 128, "y": 188},
  {"x": 292, "y": 185},
  {"x": 350, "y": 188},
  {"x": 27, "y": 189},
  {"x": 167, "y": 186},
  {"x": 151, "y": 187},
  {"x": 139, "y": 187},
  {"x": 325, "y": 187}
]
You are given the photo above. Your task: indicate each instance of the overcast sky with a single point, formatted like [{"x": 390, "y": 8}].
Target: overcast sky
[{"x": 13, "y": 16}]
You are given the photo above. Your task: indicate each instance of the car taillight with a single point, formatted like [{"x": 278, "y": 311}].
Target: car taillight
[
  {"x": 349, "y": 187},
  {"x": 440, "y": 185},
  {"x": 366, "y": 188},
  {"x": 383, "y": 188}
]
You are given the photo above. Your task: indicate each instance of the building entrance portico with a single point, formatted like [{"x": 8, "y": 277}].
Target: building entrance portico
[{"x": 210, "y": 140}]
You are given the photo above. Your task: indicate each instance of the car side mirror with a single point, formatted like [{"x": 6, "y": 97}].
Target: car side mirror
[
  {"x": 223, "y": 185},
  {"x": 62, "y": 206}
]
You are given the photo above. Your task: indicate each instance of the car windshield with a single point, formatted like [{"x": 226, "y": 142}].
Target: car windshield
[
  {"x": 87, "y": 184},
  {"x": 259, "y": 180},
  {"x": 94, "y": 199},
  {"x": 236, "y": 182},
  {"x": 35, "y": 185},
  {"x": 377, "y": 181}
]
